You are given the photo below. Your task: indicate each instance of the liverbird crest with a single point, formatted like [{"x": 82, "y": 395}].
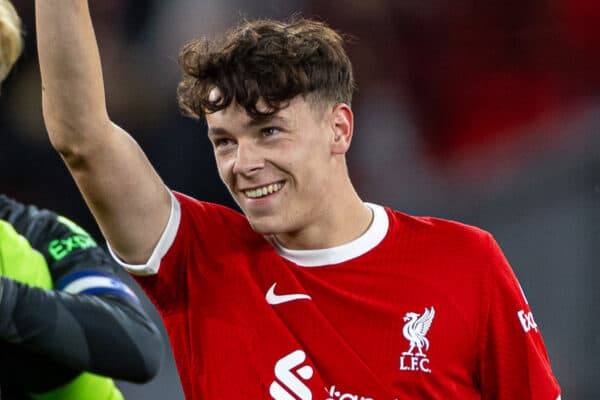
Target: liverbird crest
[{"x": 415, "y": 329}]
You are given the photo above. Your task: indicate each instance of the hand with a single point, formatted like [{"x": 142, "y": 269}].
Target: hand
[{"x": 19, "y": 261}]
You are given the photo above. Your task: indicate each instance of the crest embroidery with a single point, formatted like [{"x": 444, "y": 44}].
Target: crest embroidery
[{"x": 415, "y": 331}]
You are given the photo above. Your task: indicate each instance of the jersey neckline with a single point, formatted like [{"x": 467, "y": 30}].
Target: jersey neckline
[{"x": 342, "y": 253}]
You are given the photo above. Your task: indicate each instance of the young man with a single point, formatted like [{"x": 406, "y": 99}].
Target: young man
[
  {"x": 91, "y": 321},
  {"x": 311, "y": 294}
]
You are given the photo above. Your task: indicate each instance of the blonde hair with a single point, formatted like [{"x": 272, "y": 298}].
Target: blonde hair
[{"x": 11, "y": 42}]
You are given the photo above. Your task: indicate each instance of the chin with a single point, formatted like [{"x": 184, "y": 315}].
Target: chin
[{"x": 266, "y": 227}]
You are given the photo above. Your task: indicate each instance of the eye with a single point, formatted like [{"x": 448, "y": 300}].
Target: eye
[
  {"x": 222, "y": 142},
  {"x": 270, "y": 131}
]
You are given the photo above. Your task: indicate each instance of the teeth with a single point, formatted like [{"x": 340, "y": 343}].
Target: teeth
[{"x": 263, "y": 191}]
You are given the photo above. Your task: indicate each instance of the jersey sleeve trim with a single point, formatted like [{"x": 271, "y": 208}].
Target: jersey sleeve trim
[{"x": 164, "y": 244}]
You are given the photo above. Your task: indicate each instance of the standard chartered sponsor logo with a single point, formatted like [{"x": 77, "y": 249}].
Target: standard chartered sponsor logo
[
  {"x": 290, "y": 371},
  {"x": 335, "y": 394}
]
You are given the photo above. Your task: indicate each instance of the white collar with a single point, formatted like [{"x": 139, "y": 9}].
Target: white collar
[{"x": 339, "y": 254}]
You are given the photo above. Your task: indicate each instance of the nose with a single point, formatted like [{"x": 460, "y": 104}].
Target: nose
[{"x": 248, "y": 158}]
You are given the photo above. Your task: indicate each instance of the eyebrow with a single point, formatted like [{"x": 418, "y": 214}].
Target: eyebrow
[
  {"x": 215, "y": 131},
  {"x": 266, "y": 120}
]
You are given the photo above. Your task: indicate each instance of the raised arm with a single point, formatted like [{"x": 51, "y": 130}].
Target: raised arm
[{"x": 127, "y": 197}]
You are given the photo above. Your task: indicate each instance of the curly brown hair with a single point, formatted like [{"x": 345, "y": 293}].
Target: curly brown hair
[{"x": 265, "y": 60}]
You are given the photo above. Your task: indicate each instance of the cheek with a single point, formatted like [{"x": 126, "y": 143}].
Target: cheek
[
  {"x": 224, "y": 170},
  {"x": 312, "y": 173}
]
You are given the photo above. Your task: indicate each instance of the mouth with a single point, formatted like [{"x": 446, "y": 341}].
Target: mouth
[{"x": 263, "y": 191}]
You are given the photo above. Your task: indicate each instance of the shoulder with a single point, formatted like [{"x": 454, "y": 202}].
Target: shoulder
[
  {"x": 441, "y": 240},
  {"x": 437, "y": 228},
  {"x": 204, "y": 217},
  {"x": 192, "y": 206},
  {"x": 27, "y": 219},
  {"x": 12, "y": 210}
]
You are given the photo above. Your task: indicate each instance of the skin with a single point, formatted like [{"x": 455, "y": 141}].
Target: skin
[
  {"x": 302, "y": 149},
  {"x": 123, "y": 191},
  {"x": 125, "y": 194}
]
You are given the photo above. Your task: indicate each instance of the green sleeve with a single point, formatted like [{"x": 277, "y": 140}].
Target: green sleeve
[
  {"x": 101, "y": 329},
  {"x": 19, "y": 261},
  {"x": 85, "y": 387}
]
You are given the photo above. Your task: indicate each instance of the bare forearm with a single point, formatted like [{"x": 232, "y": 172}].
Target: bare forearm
[
  {"x": 72, "y": 83},
  {"x": 125, "y": 194}
]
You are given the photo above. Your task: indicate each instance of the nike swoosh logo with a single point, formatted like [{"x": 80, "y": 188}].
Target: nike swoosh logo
[{"x": 275, "y": 299}]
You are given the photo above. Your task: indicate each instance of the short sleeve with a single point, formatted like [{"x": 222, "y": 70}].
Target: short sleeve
[
  {"x": 196, "y": 234},
  {"x": 514, "y": 362}
]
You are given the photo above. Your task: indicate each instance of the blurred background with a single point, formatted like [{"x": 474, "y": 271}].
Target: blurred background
[{"x": 484, "y": 112}]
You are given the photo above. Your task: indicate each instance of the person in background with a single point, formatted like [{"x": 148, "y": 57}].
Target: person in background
[
  {"x": 68, "y": 324},
  {"x": 311, "y": 293}
]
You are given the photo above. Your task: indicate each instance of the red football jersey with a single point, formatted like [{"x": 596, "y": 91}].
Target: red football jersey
[{"x": 415, "y": 308}]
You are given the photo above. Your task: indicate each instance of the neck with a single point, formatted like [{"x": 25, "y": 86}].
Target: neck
[{"x": 334, "y": 224}]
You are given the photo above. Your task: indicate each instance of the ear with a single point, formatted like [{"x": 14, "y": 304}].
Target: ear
[{"x": 342, "y": 126}]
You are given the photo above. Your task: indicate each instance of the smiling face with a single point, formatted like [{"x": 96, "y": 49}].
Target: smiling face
[{"x": 286, "y": 172}]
